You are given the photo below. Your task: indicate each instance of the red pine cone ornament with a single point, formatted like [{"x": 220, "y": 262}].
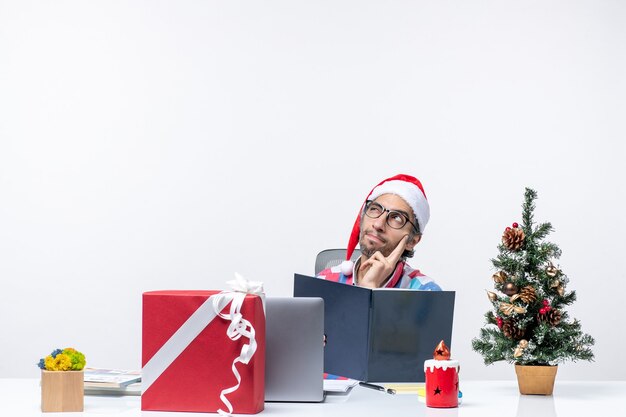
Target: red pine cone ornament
[
  {"x": 510, "y": 330},
  {"x": 513, "y": 238},
  {"x": 549, "y": 315}
]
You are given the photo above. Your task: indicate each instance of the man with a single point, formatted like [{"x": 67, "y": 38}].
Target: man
[{"x": 389, "y": 226}]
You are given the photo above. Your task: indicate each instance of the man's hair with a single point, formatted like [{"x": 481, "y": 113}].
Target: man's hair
[{"x": 409, "y": 253}]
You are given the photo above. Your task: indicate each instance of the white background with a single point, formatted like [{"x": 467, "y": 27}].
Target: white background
[{"x": 167, "y": 144}]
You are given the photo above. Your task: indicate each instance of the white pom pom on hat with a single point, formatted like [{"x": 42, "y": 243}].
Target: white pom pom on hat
[
  {"x": 346, "y": 268},
  {"x": 408, "y": 188}
]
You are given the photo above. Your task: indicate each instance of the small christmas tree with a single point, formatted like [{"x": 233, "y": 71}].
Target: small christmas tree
[{"x": 530, "y": 325}]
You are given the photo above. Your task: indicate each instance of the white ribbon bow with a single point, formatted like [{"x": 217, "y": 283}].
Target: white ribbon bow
[
  {"x": 240, "y": 284},
  {"x": 239, "y": 327}
]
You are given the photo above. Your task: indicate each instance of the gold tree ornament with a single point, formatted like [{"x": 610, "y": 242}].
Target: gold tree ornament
[
  {"x": 551, "y": 270},
  {"x": 519, "y": 349},
  {"x": 492, "y": 295},
  {"x": 509, "y": 309},
  {"x": 500, "y": 277},
  {"x": 513, "y": 238},
  {"x": 528, "y": 294},
  {"x": 510, "y": 289},
  {"x": 557, "y": 285}
]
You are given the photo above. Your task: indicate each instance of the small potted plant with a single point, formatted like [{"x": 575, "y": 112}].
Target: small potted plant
[
  {"x": 528, "y": 324},
  {"x": 62, "y": 381}
]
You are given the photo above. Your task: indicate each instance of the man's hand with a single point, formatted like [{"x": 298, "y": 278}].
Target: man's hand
[{"x": 373, "y": 272}]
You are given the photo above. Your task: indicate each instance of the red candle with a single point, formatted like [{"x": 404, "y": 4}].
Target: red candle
[{"x": 442, "y": 379}]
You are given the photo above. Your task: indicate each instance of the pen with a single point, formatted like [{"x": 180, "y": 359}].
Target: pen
[{"x": 377, "y": 387}]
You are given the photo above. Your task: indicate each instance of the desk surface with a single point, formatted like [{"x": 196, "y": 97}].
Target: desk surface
[{"x": 21, "y": 398}]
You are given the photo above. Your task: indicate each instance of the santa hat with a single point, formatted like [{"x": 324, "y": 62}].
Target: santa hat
[{"x": 406, "y": 187}]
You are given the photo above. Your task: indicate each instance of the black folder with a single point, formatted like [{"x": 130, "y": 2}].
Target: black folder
[{"x": 381, "y": 335}]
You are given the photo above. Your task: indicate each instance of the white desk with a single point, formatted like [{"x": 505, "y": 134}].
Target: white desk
[{"x": 21, "y": 398}]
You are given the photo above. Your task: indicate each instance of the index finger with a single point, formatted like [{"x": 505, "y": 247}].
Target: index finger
[{"x": 399, "y": 250}]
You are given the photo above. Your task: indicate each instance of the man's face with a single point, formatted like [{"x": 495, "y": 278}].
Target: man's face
[{"x": 377, "y": 235}]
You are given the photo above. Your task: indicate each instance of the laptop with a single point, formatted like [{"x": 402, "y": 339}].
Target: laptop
[
  {"x": 294, "y": 349},
  {"x": 381, "y": 335}
]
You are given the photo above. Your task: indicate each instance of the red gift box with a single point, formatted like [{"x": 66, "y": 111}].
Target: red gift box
[{"x": 187, "y": 356}]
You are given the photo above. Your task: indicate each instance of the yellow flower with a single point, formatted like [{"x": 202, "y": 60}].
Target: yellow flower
[
  {"x": 62, "y": 362},
  {"x": 49, "y": 362}
]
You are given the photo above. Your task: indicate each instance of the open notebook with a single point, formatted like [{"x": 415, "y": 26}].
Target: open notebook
[{"x": 381, "y": 335}]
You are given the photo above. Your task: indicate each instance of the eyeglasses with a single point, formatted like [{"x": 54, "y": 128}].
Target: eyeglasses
[{"x": 395, "y": 219}]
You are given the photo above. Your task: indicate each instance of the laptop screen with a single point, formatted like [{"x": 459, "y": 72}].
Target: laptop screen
[{"x": 294, "y": 353}]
